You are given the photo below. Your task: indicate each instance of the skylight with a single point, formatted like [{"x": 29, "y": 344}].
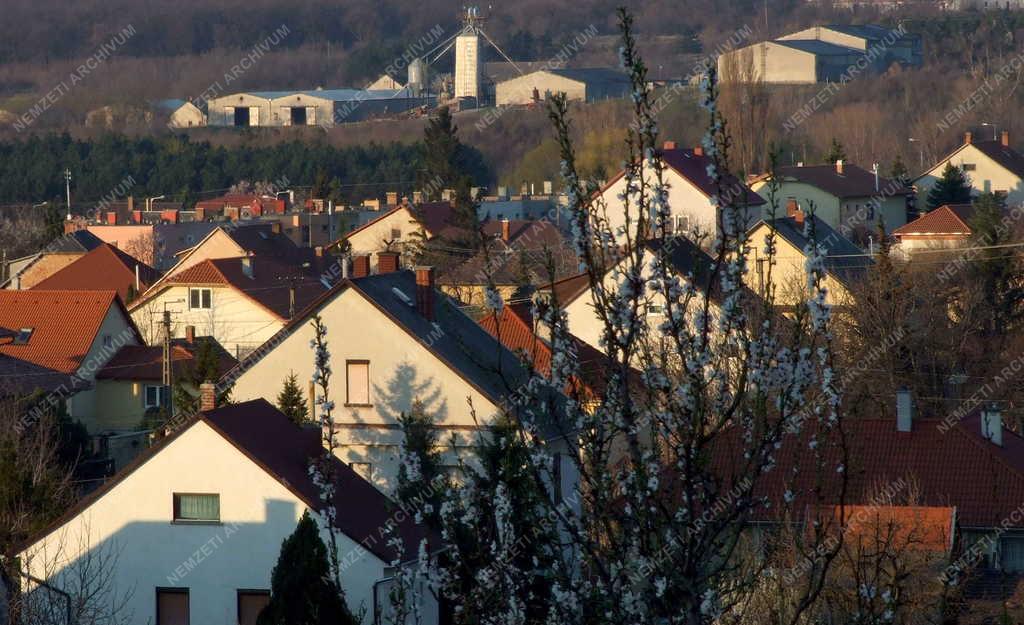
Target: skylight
[{"x": 23, "y": 336}]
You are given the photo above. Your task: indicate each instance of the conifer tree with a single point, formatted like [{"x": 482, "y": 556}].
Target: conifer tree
[
  {"x": 836, "y": 152},
  {"x": 291, "y": 402},
  {"x": 953, "y": 187},
  {"x": 302, "y": 589}
]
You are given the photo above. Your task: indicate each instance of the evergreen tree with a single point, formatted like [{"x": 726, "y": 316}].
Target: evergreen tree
[
  {"x": 953, "y": 187},
  {"x": 441, "y": 151},
  {"x": 836, "y": 152},
  {"x": 993, "y": 271},
  {"x": 421, "y": 476},
  {"x": 291, "y": 402},
  {"x": 899, "y": 170},
  {"x": 302, "y": 591}
]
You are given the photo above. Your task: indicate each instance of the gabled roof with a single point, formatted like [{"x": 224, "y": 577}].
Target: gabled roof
[
  {"x": 105, "y": 268},
  {"x": 1004, "y": 156},
  {"x": 815, "y": 46},
  {"x": 853, "y": 182},
  {"x": 457, "y": 341},
  {"x": 76, "y": 241},
  {"x": 568, "y": 289},
  {"x": 64, "y": 325},
  {"x": 434, "y": 217},
  {"x": 844, "y": 261},
  {"x": 270, "y": 282},
  {"x": 526, "y": 250},
  {"x": 284, "y": 451},
  {"x": 948, "y": 219},
  {"x": 954, "y": 467},
  {"x": 145, "y": 362},
  {"x": 21, "y": 378},
  {"x": 694, "y": 167},
  {"x": 590, "y": 74}
]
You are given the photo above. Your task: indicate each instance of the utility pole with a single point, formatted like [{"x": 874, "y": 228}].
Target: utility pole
[{"x": 67, "y": 189}]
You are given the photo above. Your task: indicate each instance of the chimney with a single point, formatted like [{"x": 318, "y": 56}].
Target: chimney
[
  {"x": 839, "y": 167},
  {"x": 698, "y": 150},
  {"x": 992, "y": 424},
  {"x": 190, "y": 334},
  {"x": 792, "y": 207},
  {"x": 417, "y": 197},
  {"x": 291, "y": 300},
  {"x": 506, "y": 230},
  {"x": 131, "y": 203},
  {"x": 319, "y": 251},
  {"x": 670, "y": 145},
  {"x": 904, "y": 410},
  {"x": 391, "y": 197},
  {"x": 967, "y": 137},
  {"x": 425, "y": 292},
  {"x": 275, "y": 228},
  {"x": 112, "y": 218},
  {"x": 248, "y": 267},
  {"x": 798, "y": 217},
  {"x": 207, "y": 396},
  {"x": 387, "y": 262},
  {"x": 136, "y": 217},
  {"x": 360, "y": 265},
  {"x": 1005, "y": 138}
]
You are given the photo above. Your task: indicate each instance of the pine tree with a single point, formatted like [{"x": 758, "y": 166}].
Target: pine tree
[
  {"x": 836, "y": 152},
  {"x": 993, "y": 270},
  {"x": 899, "y": 170},
  {"x": 302, "y": 591},
  {"x": 953, "y": 187},
  {"x": 441, "y": 151},
  {"x": 291, "y": 402}
]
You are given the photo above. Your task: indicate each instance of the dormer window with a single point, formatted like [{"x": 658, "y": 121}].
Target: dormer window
[{"x": 23, "y": 335}]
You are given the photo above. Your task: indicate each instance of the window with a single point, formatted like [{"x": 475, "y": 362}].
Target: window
[
  {"x": 357, "y": 382},
  {"x": 200, "y": 298},
  {"x": 250, "y": 604},
  {"x": 172, "y": 606},
  {"x": 23, "y": 335},
  {"x": 364, "y": 469},
  {"x": 681, "y": 223},
  {"x": 155, "y": 396},
  {"x": 189, "y": 507},
  {"x": 969, "y": 167},
  {"x": 655, "y": 309},
  {"x": 108, "y": 340},
  {"x": 396, "y": 233}
]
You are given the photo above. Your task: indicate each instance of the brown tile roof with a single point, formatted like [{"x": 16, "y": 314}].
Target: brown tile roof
[
  {"x": 949, "y": 219},
  {"x": 64, "y": 325},
  {"x": 694, "y": 167},
  {"x": 145, "y": 362},
  {"x": 104, "y": 268},
  {"x": 952, "y": 468},
  {"x": 853, "y": 182},
  {"x": 283, "y": 450},
  {"x": 1005, "y": 156},
  {"x": 271, "y": 279},
  {"x": 435, "y": 217},
  {"x": 568, "y": 289},
  {"x": 526, "y": 251}
]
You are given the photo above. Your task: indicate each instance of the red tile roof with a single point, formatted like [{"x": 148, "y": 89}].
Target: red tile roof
[
  {"x": 104, "y": 268},
  {"x": 568, "y": 289},
  {"x": 939, "y": 468},
  {"x": 949, "y": 219},
  {"x": 145, "y": 362},
  {"x": 64, "y": 325},
  {"x": 533, "y": 247}
]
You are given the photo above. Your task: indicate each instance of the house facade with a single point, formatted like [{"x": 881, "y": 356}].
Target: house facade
[
  {"x": 992, "y": 167},
  {"x": 946, "y": 227},
  {"x": 191, "y": 530}
]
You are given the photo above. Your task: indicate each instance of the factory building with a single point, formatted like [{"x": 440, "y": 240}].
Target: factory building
[
  {"x": 325, "y": 107},
  {"x": 584, "y": 84}
]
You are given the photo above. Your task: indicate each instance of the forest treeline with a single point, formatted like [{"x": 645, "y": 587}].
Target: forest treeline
[{"x": 183, "y": 170}]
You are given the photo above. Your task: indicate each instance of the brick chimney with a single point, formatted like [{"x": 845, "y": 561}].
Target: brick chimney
[
  {"x": 425, "y": 292},
  {"x": 798, "y": 217},
  {"x": 967, "y": 137},
  {"x": 207, "y": 396},
  {"x": 387, "y": 262},
  {"x": 190, "y": 334},
  {"x": 904, "y": 410},
  {"x": 360, "y": 265},
  {"x": 112, "y": 218},
  {"x": 391, "y": 198},
  {"x": 670, "y": 145},
  {"x": 792, "y": 207},
  {"x": 136, "y": 216},
  {"x": 839, "y": 167},
  {"x": 698, "y": 150},
  {"x": 1005, "y": 138},
  {"x": 275, "y": 228},
  {"x": 506, "y": 230}
]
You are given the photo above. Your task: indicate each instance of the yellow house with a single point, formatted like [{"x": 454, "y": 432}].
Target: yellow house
[
  {"x": 992, "y": 166},
  {"x": 845, "y": 263},
  {"x": 398, "y": 228},
  {"x": 846, "y": 197},
  {"x": 393, "y": 339}
]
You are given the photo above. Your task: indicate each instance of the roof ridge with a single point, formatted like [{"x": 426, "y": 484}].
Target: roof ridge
[{"x": 962, "y": 431}]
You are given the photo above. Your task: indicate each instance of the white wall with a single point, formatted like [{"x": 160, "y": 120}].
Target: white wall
[
  {"x": 235, "y": 320},
  {"x": 134, "y": 521},
  {"x": 401, "y": 369},
  {"x": 987, "y": 176}
]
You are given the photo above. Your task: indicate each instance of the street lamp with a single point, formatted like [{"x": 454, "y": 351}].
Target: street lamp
[
  {"x": 920, "y": 151},
  {"x": 40, "y": 205},
  {"x": 993, "y": 129},
  {"x": 149, "y": 201}
]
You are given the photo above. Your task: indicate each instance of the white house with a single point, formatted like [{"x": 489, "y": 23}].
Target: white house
[
  {"x": 191, "y": 530},
  {"x": 992, "y": 166},
  {"x": 690, "y": 192},
  {"x": 394, "y": 339}
]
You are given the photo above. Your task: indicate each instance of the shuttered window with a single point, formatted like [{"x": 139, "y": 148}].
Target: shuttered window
[
  {"x": 195, "y": 507},
  {"x": 250, "y": 604},
  {"x": 358, "y": 382},
  {"x": 172, "y": 606}
]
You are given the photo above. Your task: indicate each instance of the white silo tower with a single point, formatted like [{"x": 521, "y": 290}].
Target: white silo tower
[
  {"x": 417, "y": 82},
  {"x": 467, "y": 65}
]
